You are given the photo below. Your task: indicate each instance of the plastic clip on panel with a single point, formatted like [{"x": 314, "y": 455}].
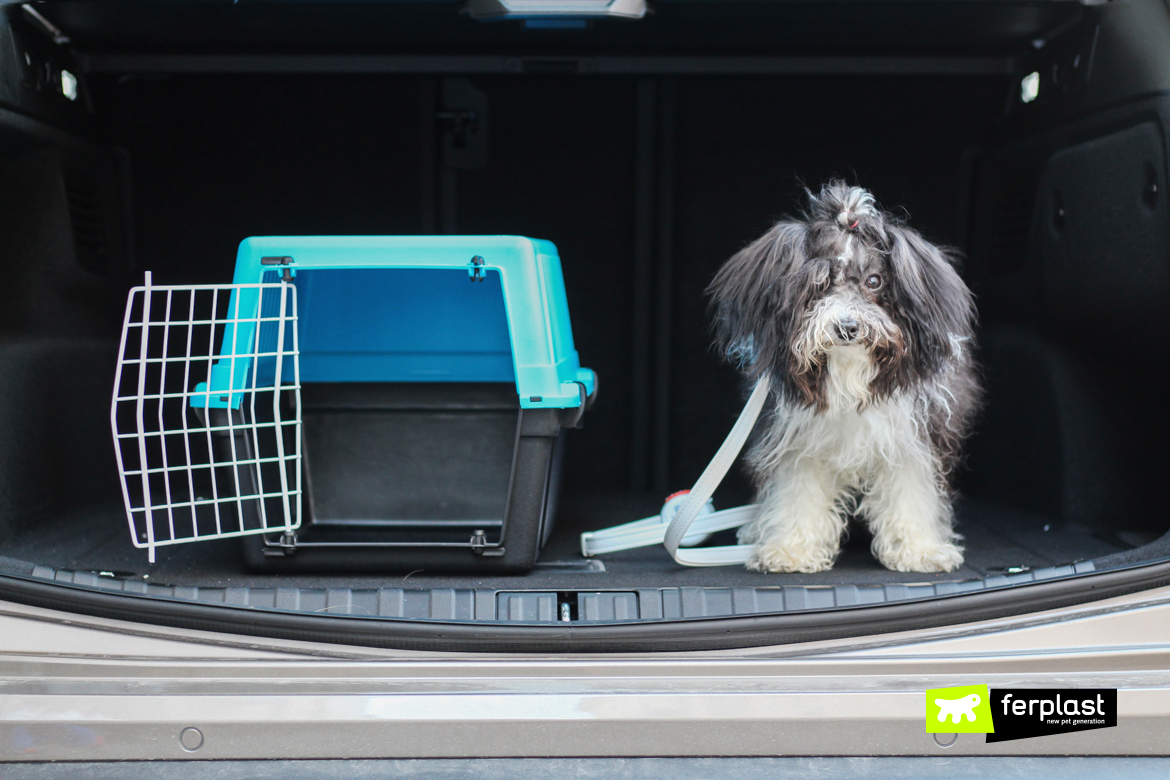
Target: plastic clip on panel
[{"x": 695, "y": 517}]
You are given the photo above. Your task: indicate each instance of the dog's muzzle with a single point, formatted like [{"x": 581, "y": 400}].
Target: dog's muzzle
[{"x": 848, "y": 330}]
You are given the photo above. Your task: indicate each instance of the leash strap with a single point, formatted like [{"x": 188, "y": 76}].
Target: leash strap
[
  {"x": 652, "y": 530},
  {"x": 688, "y": 523}
]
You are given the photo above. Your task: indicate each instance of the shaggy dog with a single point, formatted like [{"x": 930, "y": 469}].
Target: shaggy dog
[{"x": 866, "y": 331}]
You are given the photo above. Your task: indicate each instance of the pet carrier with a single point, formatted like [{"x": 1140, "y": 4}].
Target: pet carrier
[{"x": 375, "y": 403}]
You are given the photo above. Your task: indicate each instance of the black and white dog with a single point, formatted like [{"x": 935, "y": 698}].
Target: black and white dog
[{"x": 866, "y": 331}]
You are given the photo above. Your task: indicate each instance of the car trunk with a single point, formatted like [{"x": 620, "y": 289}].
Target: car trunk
[{"x": 649, "y": 152}]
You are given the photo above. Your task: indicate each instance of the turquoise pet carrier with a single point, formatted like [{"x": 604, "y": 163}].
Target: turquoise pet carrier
[{"x": 358, "y": 403}]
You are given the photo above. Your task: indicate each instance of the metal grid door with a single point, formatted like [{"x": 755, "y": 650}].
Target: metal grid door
[{"x": 208, "y": 441}]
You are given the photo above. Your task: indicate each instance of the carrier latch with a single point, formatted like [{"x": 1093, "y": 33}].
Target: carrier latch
[{"x": 479, "y": 546}]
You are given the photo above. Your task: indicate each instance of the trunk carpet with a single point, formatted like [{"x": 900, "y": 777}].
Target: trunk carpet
[{"x": 996, "y": 539}]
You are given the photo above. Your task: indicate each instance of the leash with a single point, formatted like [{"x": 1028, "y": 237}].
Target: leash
[{"x": 688, "y": 518}]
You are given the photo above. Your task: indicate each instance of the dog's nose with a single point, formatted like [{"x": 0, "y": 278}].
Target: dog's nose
[{"x": 849, "y": 329}]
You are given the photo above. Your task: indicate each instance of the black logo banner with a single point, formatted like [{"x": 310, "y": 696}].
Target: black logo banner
[{"x": 1020, "y": 713}]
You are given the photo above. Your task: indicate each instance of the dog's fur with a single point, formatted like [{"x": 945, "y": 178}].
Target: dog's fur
[{"x": 875, "y": 384}]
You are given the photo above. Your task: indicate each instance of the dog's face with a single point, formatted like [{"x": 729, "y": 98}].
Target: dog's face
[
  {"x": 849, "y": 310},
  {"x": 847, "y": 279}
]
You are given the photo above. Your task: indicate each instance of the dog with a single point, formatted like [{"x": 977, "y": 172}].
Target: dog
[{"x": 867, "y": 332}]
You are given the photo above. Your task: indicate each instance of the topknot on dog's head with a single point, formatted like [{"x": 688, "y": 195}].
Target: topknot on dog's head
[{"x": 843, "y": 204}]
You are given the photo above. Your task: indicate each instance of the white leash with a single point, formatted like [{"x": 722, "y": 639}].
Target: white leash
[{"x": 695, "y": 519}]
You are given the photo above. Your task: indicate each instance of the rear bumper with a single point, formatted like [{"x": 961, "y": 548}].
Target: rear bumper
[{"x": 74, "y": 688}]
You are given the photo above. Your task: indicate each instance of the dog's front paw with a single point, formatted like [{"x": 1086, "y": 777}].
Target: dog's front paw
[
  {"x": 790, "y": 558},
  {"x": 907, "y": 556}
]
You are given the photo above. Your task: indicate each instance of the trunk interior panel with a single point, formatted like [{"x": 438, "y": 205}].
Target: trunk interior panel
[{"x": 197, "y": 126}]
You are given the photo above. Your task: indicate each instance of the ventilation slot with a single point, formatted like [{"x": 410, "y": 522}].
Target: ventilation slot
[
  {"x": 85, "y": 215},
  {"x": 1014, "y": 209}
]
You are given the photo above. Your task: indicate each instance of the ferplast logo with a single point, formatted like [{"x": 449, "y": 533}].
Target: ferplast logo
[
  {"x": 962, "y": 710},
  {"x": 1019, "y": 713}
]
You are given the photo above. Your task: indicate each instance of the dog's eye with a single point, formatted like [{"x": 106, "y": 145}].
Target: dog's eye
[{"x": 873, "y": 282}]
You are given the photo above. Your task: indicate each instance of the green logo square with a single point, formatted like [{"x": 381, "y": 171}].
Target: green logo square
[{"x": 962, "y": 710}]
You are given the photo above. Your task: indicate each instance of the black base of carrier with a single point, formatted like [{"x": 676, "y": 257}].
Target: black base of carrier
[{"x": 452, "y": 477}]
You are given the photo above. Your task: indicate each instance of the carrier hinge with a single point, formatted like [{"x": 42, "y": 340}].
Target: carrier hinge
[
  {"x": 286, "y": 546},
  {"x": 476, "y": 269},
  {"x": 282, "y": 261},
  {"x": 479, "y": 546}
]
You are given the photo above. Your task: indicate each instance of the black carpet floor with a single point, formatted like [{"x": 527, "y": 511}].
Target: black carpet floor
[{"x": 996, "y": 539}]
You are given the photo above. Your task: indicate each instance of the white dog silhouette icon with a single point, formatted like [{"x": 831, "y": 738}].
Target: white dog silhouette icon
[{"x": 957, "y": 708}]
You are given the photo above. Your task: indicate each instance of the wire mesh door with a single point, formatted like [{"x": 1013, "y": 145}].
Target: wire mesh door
[{"x": 206, "y": 413}]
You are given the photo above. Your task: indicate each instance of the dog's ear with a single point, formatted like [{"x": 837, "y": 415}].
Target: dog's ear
[
  {"x": 931, "y": 303},
  {"x": 759, "y": 297}
]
